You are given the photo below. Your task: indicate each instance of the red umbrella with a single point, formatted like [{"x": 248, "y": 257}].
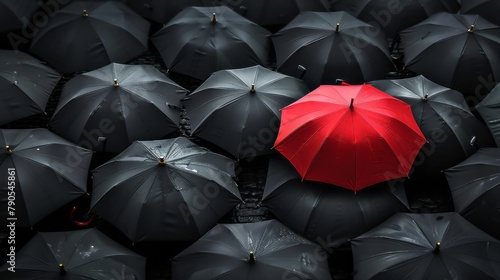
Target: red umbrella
[{"x": 351, "y": 136}]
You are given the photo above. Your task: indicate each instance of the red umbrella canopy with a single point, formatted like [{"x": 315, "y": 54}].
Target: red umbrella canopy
[{"x": 351, "y": 136}]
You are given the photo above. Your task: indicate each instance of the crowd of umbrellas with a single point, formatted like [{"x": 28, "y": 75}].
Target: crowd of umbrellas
[{"x": 310, "y": 85}]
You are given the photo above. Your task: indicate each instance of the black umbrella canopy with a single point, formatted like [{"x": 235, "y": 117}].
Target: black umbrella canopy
[
  {"x": 26, "y": 85},
  {"x": 162, "y": 11},
  {"x": 79, "y": 254},
  {"x": 453, "y": 133},
  {"x": 239, "y": 109},
  {"x": 109, "y": 108},
  {"x": 260, "y": 250},
  {"x": 465, "y": 47},
  {"x": 167, "y": 189},
  {"x": 488, "y": 109},
  {"x": 86, "y": 35},
  {"x": 426, "y": 246},
  {"x": 485, "y": 8},
  {"x": 42, "y": 170},
  {"x": 321, "y": 47},
  {"x": 389, "y": 16},
  {"x": 202, "y": 40},
  {"x": 325, "y": 213},
  {"x": 14, "y": 14},
  {"x": 475, "y": 187}
]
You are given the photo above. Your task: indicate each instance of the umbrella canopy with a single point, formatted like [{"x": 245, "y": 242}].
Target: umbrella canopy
[
  {"x": 444, "y": 118},
  {"x": 86, "y": 35},
  {"x": 475, "y": 187},
  {"x": 239, "y": 109},
  {"x": 485, "y": 8},
  {"x": 78, "y": 254},
  {"x": 162, "y": 11},
  {"x": 426, "y": 246},
  {"x": 14, "y": 14},
  {"x": 390, "y": 17},
  {"x": 202, "y": 40},
  {"x": 42, "y": 173},
  {"x": 164, "y": 190},
  {"x": 109, "y": 108},
  {"x": 25, "y": 85},
  {"x": 465, "y": 46},
  {"x": 324, "y": 214},
  {"x": 260, "y": 250},
  {"x": 488, "y": 109},
  {"x": 330, "y": 46},
  {"x": 351, "y": 136}
]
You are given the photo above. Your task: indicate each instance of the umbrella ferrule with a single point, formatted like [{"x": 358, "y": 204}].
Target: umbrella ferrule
[
  {"x": 9, "y": 150},
  {"x": 351, "y": 106},
  {"x": 436, "y": 249},
  {"x": 426, "y": 96},
  {"x": 337, "y": 27},
  {"x": 471, "y": 28},
  {"x": 162, "y": 161},
  {"x": 252, "y": 90},
  {"x": 251, "y": 257},
  {"x": 116, "y": 84},
  {"x": 62, "y": 270},
  {"x": 85, "y": 13},
  {"x": 214, "y": 19}
]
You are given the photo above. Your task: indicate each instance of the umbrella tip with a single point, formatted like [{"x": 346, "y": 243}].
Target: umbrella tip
[
  {"x": 85, "y": 13},
  {"x": 337, "y": 27},
  {"x": 425, "y": 97},
  {"x": 252, "y": 90},
  {"x": 252, "y": 257},
  {"x": 62, "y": 270},
  {"x": 214, "y": 19},
  {"x": 351, "y": 106},
  {"x": 162, "y": 161},
  {"x": 436, "y": 249},
  {"x": 471, "y": 28},
  {"x": 116, "y": 84},
  {"x": 9, "y": 150}
]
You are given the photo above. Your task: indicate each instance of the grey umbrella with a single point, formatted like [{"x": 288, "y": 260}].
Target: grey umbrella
[
  {"x": 239, "y": 109},
  {"x": 80, "y": 254},
  {"x": 488, "y": 109},
  {"x": 86, "y": 35},
  {"x": 47, "y": 172},
  {"x": 167, "y": 189},
  {"x": 108, "y": 108},
  {"x": 261, "y": 250},
  {"x": 25, "y": 85}
]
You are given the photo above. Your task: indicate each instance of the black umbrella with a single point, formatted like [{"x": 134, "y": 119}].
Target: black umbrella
[
  {"x": 86, "y": 35},
  {"x": 201, "y": 40},
  {"x": 162, "y": 11},
  {"x": 453, "y": 133},
  {"x": 164, "y": 190},
  {"x": 25, "y": 83},
  {"x": 390, "y": 16},
  {"x": 80, "y": 254},
  {"x": 239, "y": 109},
  {"x": 41, "y": 173},
  {"x": 15, "y": 14},
  {"x": 325, "y": 213},
  {"x": 426, "y": 246},
  {"x": 109, "y": 108},
  {"x": 321, "y": 47},
  {"x": 455, "y": 51},
  {"x": 489, "y": 111},
  {"x": 475, "y": 187},
  {"x": 486, "y": 8},
  {"x": 260, "y": 250}
]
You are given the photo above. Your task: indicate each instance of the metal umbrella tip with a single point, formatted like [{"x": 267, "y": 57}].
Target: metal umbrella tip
[
  {"x": 471, "y": 28},
  {"x": 252, "y": 90},
  {"x": 214, "y": 19},
  {"x": 162, "y": 161},
  {"x": 116, "y": 84},
  {"x": 61, "y": 268},
  {"x": 251, "y": 257},
  {"x": 436, "y": 249},
  {"x": 9, "y": 151},
  {"x": 337, "y": 27},
  {"x": 85, "y": 13},
  {"x": 425, "y": 97},
  {"x": 351, "y": 106}
]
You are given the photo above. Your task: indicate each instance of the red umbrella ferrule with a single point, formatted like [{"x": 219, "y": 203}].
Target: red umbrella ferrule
[{"x": 351, "y": 105}]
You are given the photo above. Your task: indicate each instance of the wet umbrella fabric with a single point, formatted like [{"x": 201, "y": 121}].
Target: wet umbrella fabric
[
  {"x": 390, "y": 17},
  {"x": 239, "y": 109},
  {"x": 351, "y": 136},
  {"x": 485, "y": 8},
  {"x": 426, "y": 246},
  {"x": 445, "y": 120},
  {"x": 86, "y": 35},
  {"x": 202, "y": 40},
  {"x": 314, "y": 43},
  {"x": 109, "y": 108},
  {"x": 465, "y": 47},
  {"x": 48, "y": 172},
  {"x": 79, "y": 254},
  {"x": 13, "y": 13},
  {"x": 25, "y": 84},
  {"x": 259, "y": 250},
  {"x": 488, "y": 109},
  {"x": 167, "y": 189},
  {"x": 324, "y": 213},
  {"x": 475, "y": 188}
]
